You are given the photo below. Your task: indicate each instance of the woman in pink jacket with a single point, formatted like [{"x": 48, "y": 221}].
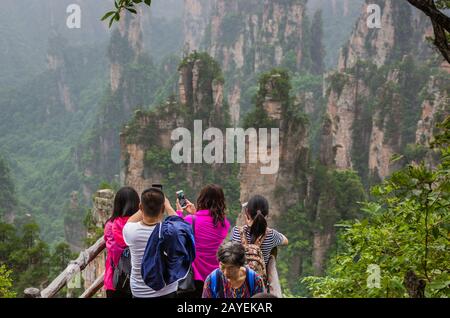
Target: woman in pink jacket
[
  {"x": 211, "y": 228},
  {"x": 126, "y": 203}
]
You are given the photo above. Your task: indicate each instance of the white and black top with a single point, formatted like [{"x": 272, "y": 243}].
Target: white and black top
[
  {"x": 136, "y": 236},
  {"x": 272, "y": 240}
]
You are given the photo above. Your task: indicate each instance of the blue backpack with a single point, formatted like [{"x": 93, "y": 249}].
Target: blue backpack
[{"x": 217, "y": 283}]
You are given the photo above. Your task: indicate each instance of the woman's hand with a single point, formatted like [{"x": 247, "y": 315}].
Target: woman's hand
[
  {"x": 190, "y": 207},
  {"x": 179, "y": 208}
]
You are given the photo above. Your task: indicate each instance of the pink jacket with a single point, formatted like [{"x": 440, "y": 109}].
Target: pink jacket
[
  {"x": 114, "y": 248},
  {"x": 207, "y": 241}
]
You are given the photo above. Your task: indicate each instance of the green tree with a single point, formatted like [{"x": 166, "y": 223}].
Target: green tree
[
  {"x": 60, "y": 258},
  {"x": 8, "y": 201},
  {"x": 120, "y": 5},
  {"x": 26, "y": 253},
  {"x": 6, "y": 283},
  {"x": 406, "y": 234}
]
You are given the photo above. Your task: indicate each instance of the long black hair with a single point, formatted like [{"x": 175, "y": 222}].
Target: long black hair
[
  {"x": 257, "y": 211},
  {"x": 126, "y": 203}
]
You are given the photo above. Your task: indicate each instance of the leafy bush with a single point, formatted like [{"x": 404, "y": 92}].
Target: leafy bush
[
  {"x": 6, "y": 283},
  {"x": 405, "y": 234}
]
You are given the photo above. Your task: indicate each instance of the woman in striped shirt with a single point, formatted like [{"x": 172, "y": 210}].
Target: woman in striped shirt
[{"x": 256, "y": 214}]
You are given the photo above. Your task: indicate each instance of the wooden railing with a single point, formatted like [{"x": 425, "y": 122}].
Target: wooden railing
[
  {"x": 87, "y": 256},
  {"x": 75, "y": 267},
  {"x": 273, "y": 279}
]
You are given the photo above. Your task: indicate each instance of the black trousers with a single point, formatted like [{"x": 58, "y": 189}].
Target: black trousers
[
  {"x": 117, "y": 294},
  {"x": 171, "y": 295},
  {"x": 195, "y": 294}
]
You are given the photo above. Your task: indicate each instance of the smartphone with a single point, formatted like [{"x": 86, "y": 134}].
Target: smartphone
[
  {"x": 181, "y": 198},
  {"x": 157, "y": 185}
]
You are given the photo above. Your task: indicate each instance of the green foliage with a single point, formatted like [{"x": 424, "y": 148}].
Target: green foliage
[
  {"x": 8, "y": 200},
  {"x": 275, "y": 85},
  {"x": 336, "y": 194},
  {"x": 104, "y": 185},
  {"x": 414, "y": 152},
  {"x": 210, "y": 69},
  {"x": 306, "y": 82},
  {"x": 6, "y": 283},
  {"x": 38, "y": 132},
  {"x": 295, "y": 259},
  {"x": 407, "y": 230},
  {"x": 60, "y": 258},
  {"x": 289, "y": 61},
  {"x": 23, "y": 250},
  {"x": 258, "y": 118},
  {"x": 337, "y": 83},
  {"x": 120, "y": 5},
  {"x": 91, "y": 227},
  {"x": 159, "y": 159}
]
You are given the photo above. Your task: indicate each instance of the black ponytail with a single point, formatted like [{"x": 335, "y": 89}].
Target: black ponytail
[{"x": 258, "y": 210}]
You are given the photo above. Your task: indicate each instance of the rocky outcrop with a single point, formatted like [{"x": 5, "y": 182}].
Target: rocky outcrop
[
  {"x": 365, "y": 103},
  {"x": 281, "y": 188},
  {"x": 147, "y": 138},
  {"x": 246, "y": 37},
  {"x": 342, "y": 110},
  {"x": 98, "y": 156},
  {"x": 434, "y": 109},
  {"x": 379, "y": 102},
  {"x": 126, "y": 38},
  {"x": 74, "y": 230},
  {"x": 196, "y": 18},
  {"x": 101, "y": 212},
  {"x": 57, "y": 65},
  {"x": 389, "y": 42},
  {"x": 365, "y": 43}
]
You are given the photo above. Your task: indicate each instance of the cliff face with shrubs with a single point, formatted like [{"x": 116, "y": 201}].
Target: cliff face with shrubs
[
  {"x": 385, "y": 97},
  {"x": 385, "y": 80},
  {"x": 288, "y": 184},
  {"x": 246, "y": 37},
  {"x": 146, "y": 141}
]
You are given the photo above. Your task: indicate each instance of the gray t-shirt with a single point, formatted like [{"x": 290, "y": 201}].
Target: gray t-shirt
[{"x": 136, "y": 236}]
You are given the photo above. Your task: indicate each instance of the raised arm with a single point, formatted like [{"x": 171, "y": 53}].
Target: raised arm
[
  {"x": 135, "y": 218},
  {"x": 285, "y": 240},
  {"x": 168, "y": 208}
]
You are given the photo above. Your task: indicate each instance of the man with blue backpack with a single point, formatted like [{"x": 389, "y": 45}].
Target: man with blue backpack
[
  {"x": 137, "y": 233},
  {"x": 233, "y": 279}
]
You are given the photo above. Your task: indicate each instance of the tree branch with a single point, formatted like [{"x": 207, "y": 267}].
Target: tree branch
[
  {"x": 429, "y": 8},
  {"x": 441, "y": 25}
]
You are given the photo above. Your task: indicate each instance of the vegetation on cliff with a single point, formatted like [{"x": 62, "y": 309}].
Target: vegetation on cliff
[{"x": 405, "y": 233}]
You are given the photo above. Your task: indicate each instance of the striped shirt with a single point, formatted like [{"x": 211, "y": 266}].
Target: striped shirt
[{"x": 272, "y": 240}]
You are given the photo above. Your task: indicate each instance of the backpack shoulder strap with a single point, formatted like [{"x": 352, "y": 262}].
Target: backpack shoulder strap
[
  {"x": 213, "y": 284},
  {"x": 193, "y": 224},
  {"x": 216, "y": 285},
  {"x": 251, "y": 280}
]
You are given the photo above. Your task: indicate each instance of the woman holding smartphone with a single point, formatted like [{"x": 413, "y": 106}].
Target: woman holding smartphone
[{"x": 211, "y": 228}]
